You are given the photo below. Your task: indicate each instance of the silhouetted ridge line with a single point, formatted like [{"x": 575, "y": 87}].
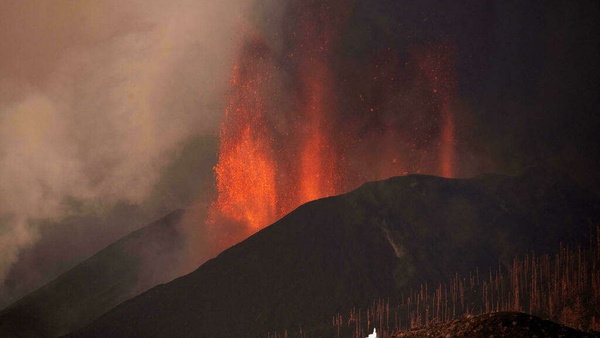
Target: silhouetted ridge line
[{"x": 377, "y": 242}]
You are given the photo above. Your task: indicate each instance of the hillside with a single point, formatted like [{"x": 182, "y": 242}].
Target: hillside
[
  {"x": 120, "y": 271},
  {"x": 376, "y": 242},
  {"x": 498, "y": 325}
]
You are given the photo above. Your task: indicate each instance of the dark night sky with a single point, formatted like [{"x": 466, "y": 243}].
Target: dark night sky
[{"x": 527, "y": 71}]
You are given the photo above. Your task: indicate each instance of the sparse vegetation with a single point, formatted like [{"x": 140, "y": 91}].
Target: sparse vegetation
[{"x": 564, "y": 288}]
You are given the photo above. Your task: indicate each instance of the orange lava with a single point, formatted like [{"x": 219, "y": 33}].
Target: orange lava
[
  {"x": 246, "y": 170},
  {"x": 278, "y": 154},
  {"x": 319, "y": 172}
]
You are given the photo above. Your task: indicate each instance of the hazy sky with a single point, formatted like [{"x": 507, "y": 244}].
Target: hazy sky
[{"x": 96, "y": 97}]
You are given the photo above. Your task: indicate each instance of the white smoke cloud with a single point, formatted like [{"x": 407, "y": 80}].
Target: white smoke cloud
[{"x": 94, "y": 96}]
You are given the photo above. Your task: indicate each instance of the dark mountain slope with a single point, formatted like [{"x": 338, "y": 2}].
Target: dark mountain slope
[
  {"x": 124, "y": 269},
  {"x": 375, "y": 242}
]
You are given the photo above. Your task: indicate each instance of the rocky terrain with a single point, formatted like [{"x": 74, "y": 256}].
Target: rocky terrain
[{"x": 497, "y": 325}]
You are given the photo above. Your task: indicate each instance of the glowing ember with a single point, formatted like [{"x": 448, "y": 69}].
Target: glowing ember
[
  {"x": 246, "y": 169},
  {"x": 319, "y": 172},
  {"x": 436, "y": 63}
]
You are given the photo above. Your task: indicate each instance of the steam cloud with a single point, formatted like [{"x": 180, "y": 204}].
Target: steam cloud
[{"x": 95, "y": 97}]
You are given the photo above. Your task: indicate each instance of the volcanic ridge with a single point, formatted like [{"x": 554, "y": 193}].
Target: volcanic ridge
[{"x": 376, "y": 242}]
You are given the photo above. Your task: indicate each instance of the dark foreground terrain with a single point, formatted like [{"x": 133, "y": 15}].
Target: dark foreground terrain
[{"x": 497, "y": 325}]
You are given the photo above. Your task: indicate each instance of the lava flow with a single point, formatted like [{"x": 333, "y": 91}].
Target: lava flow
[
  {"x": 296, "y": 130},
  {"x": 319, "y": 174}
]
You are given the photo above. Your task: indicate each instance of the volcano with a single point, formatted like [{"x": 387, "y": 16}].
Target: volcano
[
  {"x": 324, "y": 96},
  {"x": 376, "y": 242}
]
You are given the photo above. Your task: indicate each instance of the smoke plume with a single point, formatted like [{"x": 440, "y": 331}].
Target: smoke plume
[{"x": 97, "y": 97}]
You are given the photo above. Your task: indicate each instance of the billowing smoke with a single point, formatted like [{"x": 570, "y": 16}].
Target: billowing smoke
[{"x": 96, "y": 99}]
